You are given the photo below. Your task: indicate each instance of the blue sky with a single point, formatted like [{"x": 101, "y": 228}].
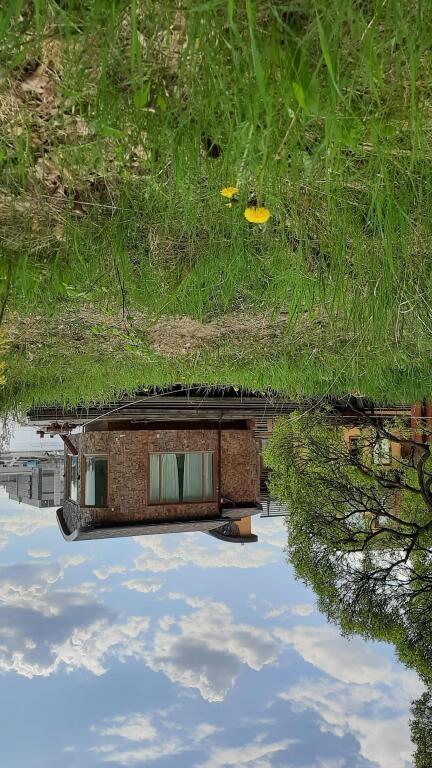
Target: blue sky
[{"x": 182, "y": 651}]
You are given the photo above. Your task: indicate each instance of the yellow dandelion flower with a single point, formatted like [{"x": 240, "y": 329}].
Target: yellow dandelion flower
[
  {"x": 229, "y": 192},
  {"x": 257, "y": 215}
]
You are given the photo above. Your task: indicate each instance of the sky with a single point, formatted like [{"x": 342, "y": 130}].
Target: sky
[{"x": 181, "y": 650}]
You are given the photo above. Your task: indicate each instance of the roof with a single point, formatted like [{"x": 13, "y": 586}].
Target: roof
[{"x": 100, "y": 531}]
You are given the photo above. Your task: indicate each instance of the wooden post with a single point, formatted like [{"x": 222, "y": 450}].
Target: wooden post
[{"x": 69, "y": 445}]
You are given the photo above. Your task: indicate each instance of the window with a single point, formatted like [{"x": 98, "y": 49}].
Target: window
[
  {"x": 96, "y": 481},
  {"x": 181, "y": 477},
  {"x": 73, "y": 478},
  {"x": 382, "y": 452},
  {"x": 355, "y": 447}
]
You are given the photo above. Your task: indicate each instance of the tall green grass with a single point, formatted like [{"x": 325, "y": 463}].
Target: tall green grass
[{"x": 321, "y": 112}]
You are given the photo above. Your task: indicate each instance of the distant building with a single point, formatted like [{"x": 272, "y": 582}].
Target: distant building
[{"x": 35, "y": 478}]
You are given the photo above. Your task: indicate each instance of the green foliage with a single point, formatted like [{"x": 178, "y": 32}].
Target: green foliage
[
  {"x": 358, "y": 534},
  {"x": 421, "y": 730}
]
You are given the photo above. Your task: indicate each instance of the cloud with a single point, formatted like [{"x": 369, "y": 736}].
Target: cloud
[
  {"x": 134, "y": 727},
  {"x": 206, "y": 649},
  {"x": 204, "y": 731},
  {"x": 22, "y": 520},
  {"x": 68, "y": 561},
  {"x": 38, "y": 553},
  {"x": 363, "y": 711},
  {"x": 352, "y": 661},
  {"x": 141, "y": 738},
  {"x": 364, "y": 694},
  {"x": 140, "y": 754},
  {"x": 302, "y": 609},
  {"x": 107, "y": 570},
  {"x": 201, "y": 552},
  {"x": 254, "y": 755},
  {"x": 88, "y": 647},
  {"x": 142, "y": 585},
  {"x": 25, "y": 585},
  {"x": 44, "y": 628},
  {"x": 138, "y": 738}
]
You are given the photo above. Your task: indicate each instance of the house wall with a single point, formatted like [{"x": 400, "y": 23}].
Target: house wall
[
  {"x": 128, "y": 471},
  {"x": 354, "y": 432}
]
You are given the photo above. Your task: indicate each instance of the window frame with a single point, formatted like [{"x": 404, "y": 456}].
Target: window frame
[
  {"x": 377, "y": 453},
  {"x": 159, "y": 503},
  {"x": 84, "y": 458},
  {"x": 70, "y": 458}
]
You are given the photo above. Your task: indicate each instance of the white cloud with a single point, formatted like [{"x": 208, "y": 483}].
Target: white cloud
[
  {"x": 200, "y": 551},
  {"x": 142, "y": 585},
  {"x": 254, "y": 755},
  {"x": 206, "y": 649},
  {"x": 204, "y": 731},
  {"x": 352, "y": 661},
  {"x": 43, "y": 628},
  {"x": 364, "y": 695},
  {"x": 25, "y": 585},
  {"x": 139, "y": 738},
  {"x": 377, "y": 718},
  {"x": 88, "y": 647},
  {"x": 134, "y": 727},
  {"x": 91, "y": 588},
  {"x": 140, "y": 754},
  {"x": 22, "y": 520},
  {"x": 38, "y": 553},
  {"x": 274, "y": 613},
  {"x": 68, "y": 561},
  {"x": 273, "y": 533},
  {"x": 302, "y": 609},
  {"x": 107, "y": 570}
]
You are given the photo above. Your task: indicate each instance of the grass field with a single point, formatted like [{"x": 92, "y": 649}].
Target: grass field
[{"x": 122, "y": 265}]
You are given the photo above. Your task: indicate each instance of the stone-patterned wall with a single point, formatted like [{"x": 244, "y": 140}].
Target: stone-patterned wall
[
  {"x": 128, "y": 470},
  {"x": 240, "y": 466}
]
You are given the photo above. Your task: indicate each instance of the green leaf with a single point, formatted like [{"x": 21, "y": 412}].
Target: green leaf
[
  {"x": 141, "y": 97},
  {"x": 300, "y": 95},
  {"x": 230, "y": 9},
  {"x": 256, "y": 58},
  {"x": 110, "y": 132},
  {"x": 161, "y": 102},
  {"x": 326, "y": 54},
  {"x": 210, "y": 5}
]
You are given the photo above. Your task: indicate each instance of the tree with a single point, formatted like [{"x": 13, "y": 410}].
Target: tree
[
  {"x": 360, "y": 532},
  {"x": 421, "y": 730}
]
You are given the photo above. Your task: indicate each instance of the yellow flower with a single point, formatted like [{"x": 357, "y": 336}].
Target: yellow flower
[
  {"x": 229, "y": 192},
  {"x": 228, "y": 205},
  {"x": 257, "y": 215}
]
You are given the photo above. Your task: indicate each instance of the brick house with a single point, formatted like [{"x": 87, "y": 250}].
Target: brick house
[{"x": 129, "y": 479}]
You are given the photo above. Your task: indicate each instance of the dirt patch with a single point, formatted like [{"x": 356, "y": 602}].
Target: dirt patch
[
  {"x": 172, "y": 336},
  {"x": 98, "y": 332},
  {"x": 94, "y": 330}
]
